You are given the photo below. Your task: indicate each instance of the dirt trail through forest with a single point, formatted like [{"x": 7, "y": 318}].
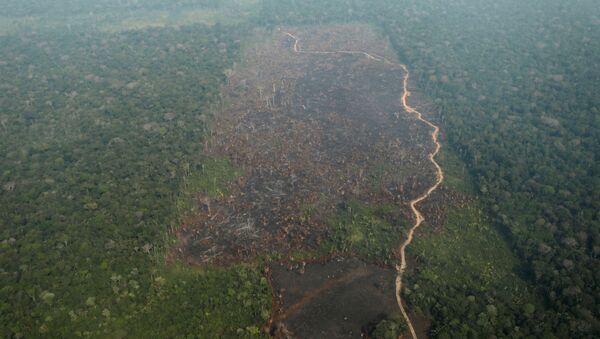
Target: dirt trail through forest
[{"x": 413, "y": 203}]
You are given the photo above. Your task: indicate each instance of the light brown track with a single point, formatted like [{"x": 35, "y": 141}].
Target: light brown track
[{"x": 439, "y": 176}]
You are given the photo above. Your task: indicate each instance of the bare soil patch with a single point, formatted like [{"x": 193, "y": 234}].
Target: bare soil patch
[{"x": 341, "y": 298}]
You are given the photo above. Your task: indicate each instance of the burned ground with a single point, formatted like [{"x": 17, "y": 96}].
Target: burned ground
[{"x": 309, "y": 132}]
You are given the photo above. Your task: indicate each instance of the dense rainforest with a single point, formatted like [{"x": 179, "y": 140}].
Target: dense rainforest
[
  {"x": 102, "y": 132},
  {"x": 99, "y": 132}
]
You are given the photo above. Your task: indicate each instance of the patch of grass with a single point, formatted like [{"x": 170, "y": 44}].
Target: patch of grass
[
  {"x": 372, "y": 232},
  {"x": 467, "y": 246},
  {"x": 466, "y": 280},
  {"x": 456, "y": 175},
  {"x": 211, "y": 178}
]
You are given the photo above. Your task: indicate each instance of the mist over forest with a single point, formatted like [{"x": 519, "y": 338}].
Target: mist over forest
[{"x": 254, "y": 168}]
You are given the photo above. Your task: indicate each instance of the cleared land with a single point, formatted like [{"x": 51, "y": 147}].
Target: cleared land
[
  {"x": 327, "y": 163},
  {"x": 309, "y": 133}
]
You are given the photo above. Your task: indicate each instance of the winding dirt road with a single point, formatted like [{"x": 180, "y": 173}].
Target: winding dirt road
[{"x": 413, "y": 203}]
